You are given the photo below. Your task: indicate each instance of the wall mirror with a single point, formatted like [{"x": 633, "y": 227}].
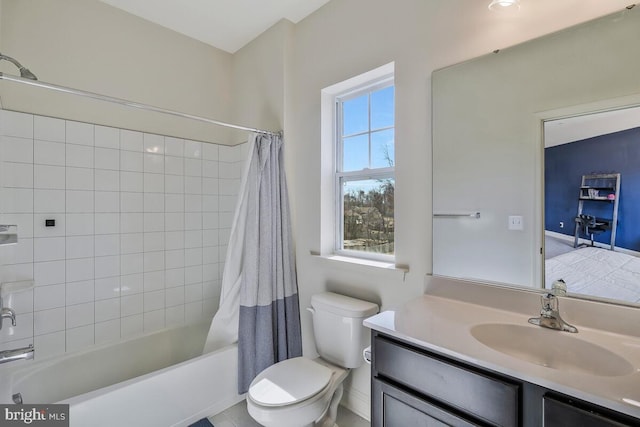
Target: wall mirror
[{"x": 529, "y": 146}]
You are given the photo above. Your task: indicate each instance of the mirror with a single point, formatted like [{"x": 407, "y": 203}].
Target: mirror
[
  {"x": 489, "y": 120},
  {"x": 591, "y": 176}
]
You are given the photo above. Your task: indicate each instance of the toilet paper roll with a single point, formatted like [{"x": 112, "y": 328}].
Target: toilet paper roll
[{"x": 366, "y": 355}]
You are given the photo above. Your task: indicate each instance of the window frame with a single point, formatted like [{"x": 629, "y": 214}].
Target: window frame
[{"x": 341, "y": 177}]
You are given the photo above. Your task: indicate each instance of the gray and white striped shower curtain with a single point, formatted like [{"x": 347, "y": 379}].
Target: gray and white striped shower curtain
[{"x": 259, "y": 301}]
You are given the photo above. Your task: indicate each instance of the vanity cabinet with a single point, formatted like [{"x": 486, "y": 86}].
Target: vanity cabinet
[
  {"x": 414, "y": 387},
  {"x": 397, "y": 407}
]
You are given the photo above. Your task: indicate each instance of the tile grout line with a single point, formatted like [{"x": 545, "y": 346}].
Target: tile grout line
[
  {"x": 93, "y": 172},
  {"x": 66, "y": 345},
  {"x": 33, "y": 246}
]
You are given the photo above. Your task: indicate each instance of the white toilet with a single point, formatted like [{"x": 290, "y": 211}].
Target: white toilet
[{"x": 303, "y": 392}]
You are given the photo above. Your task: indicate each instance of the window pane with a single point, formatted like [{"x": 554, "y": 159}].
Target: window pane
[
  {"x": 382, "y": 108},
  {"x": 368, "y": 216},
  {"x": 355, "y": 115},
  {"x": 382, "y": 149},
  {"x": 355, "y": 153}
]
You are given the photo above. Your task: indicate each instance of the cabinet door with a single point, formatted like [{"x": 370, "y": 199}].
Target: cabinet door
[
  {"x": 558, "y": 413},
  {"x": 393, "y": 407},
  {"x": 483, "y": 396}
]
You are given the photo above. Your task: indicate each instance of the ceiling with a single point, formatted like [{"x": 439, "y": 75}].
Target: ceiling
[
  {"x": 225, "y": 24},
  {"x": 572, "y": 129},
  {"x": 231, "y": 24}
]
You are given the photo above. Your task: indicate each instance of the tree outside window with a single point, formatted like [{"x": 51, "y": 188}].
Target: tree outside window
[{"x": 365, "y": 174}]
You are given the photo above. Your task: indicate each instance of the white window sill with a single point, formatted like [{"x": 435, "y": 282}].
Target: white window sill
[{"x": 368, "y": 264}]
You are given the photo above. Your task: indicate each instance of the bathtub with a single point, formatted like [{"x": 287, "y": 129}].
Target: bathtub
[{"x": 155, "y": 380}]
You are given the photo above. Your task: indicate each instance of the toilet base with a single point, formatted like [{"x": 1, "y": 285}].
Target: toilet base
[{"x": 329, "y": 417}]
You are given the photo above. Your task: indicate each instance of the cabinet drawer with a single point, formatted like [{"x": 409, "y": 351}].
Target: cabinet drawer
[
  {"x": 393, "y": 407},
  {"x": 490, "y": 399},
  {"x": 556, "y": 413}
]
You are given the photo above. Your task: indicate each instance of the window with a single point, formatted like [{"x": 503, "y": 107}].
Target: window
[{"x": 364, "y": 171}]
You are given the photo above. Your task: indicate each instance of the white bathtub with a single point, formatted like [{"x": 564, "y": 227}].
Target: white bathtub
[{"x": 155, "y": 380}]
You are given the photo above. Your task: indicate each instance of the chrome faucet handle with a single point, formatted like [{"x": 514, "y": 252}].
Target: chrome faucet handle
[
  {"x": 7, "y": 313},
  {"x": 7, "y": 288},
  {"x": 550, "y": 315},
  {"x": 549, "y": 304}
]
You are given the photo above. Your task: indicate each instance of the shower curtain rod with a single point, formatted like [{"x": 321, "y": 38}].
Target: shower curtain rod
[{"x": 127, "y": 103}]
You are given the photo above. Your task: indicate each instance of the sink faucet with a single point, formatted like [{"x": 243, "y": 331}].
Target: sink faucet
[{"x": 550, "y": 315}]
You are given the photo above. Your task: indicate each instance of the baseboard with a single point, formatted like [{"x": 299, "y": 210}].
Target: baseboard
[
  {"x": 559, "y": 236},
  {"x": 582, "y": 241},
  {"x": 357, "y": 402},
  {"x": 213, "y": 409}
]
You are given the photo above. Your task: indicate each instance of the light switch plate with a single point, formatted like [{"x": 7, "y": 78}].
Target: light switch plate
[{"x": 516, "y": 222}]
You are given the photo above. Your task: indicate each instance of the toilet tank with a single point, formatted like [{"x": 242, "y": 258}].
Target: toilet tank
[{"x": 337, "y": 326}]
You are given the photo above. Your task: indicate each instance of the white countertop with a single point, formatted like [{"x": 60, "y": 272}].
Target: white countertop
[{"x": 443, "y": 325}]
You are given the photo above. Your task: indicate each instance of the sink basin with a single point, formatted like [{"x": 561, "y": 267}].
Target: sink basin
[{"x": 551, "y": 349}]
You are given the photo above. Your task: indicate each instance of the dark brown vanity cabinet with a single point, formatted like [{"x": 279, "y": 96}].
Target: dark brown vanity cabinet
[
  {"x": 564, "y": 411},
  {"x": 414, "y": 387}
]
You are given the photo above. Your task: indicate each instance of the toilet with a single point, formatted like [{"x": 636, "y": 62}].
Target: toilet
[{"x": 303, "y": 392}]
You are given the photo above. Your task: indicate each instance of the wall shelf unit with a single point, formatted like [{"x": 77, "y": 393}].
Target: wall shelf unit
[{"x": 597, "y": 188}]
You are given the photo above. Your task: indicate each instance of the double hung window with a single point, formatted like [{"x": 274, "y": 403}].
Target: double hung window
[{"x": 364, "y": 171}]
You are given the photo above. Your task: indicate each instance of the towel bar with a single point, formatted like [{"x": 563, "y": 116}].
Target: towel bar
[{"x": 475, "y": 215}]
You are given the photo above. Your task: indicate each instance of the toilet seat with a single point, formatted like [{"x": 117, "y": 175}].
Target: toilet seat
[
  {"x": 280, "y": 385},
  {"x": 302, "y": 412}
]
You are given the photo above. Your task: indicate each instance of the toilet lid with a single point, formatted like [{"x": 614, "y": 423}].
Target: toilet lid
[{"x": 288, "y": 382}]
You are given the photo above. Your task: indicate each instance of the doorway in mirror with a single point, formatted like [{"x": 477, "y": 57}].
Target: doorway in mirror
[{"x": 592, "y": 206}]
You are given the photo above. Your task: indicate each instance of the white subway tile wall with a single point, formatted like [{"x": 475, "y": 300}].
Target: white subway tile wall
[{"x": 142, "y": 223}]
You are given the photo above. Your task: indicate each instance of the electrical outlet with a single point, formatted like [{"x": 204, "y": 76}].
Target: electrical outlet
[{"x": 516, "y": 222}]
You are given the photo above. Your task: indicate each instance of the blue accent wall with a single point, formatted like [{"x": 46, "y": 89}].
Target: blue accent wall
[{"x": 565, "y": 164}]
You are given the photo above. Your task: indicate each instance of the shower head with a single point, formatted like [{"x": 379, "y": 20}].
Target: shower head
[{"x": 24, "y": 72}]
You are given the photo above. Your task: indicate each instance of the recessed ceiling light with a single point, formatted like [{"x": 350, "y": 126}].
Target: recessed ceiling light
[{"x": 500, "y": 4}]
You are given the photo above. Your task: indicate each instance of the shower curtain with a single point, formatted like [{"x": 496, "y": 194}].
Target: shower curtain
[{"x": 259, "y": 299}]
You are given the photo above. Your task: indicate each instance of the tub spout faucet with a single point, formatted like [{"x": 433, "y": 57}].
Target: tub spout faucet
[
  {"x": 550, "y": 315},
  {"x": 24, "y": 353}
]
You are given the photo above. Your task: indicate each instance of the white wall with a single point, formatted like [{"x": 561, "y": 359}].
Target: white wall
[
  {"x": 86, "y": 44},
  {"x": 349, "y": 37},
  {"x": 142, "y": 224},
  {"x": 259, "y": 80}
]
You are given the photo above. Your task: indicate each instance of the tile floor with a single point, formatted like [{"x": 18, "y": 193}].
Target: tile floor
[{"x": 237, "y": 416}]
